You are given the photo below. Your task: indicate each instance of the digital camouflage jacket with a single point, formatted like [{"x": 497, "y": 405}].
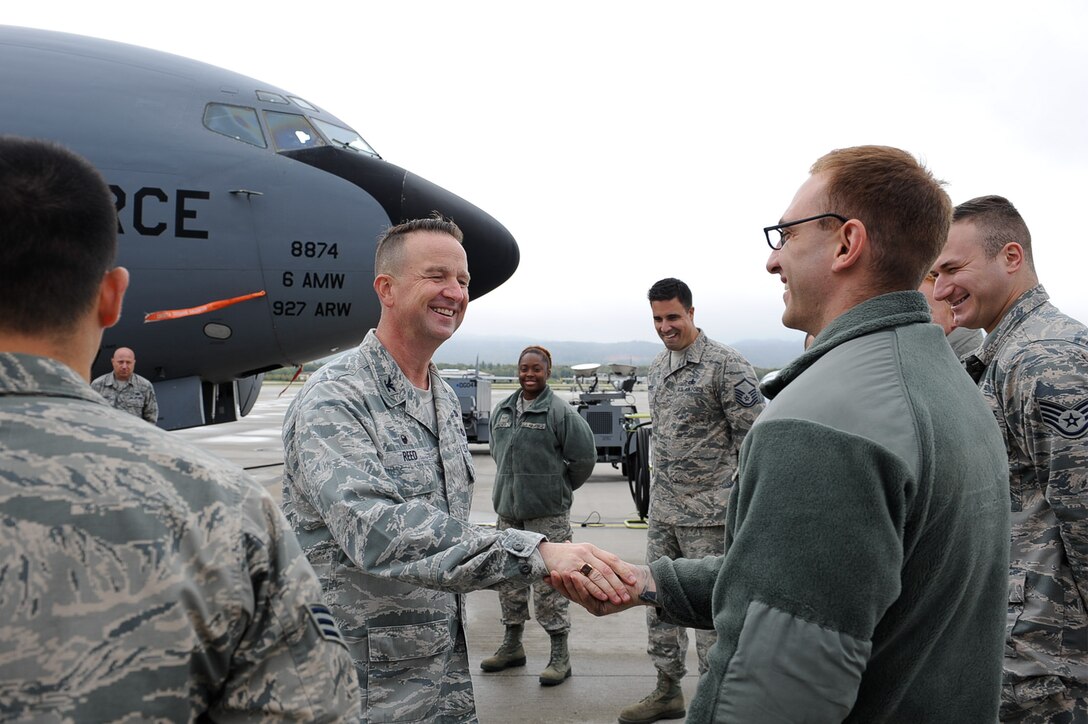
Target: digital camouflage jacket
[
  {"x": 1033, "y": 371},
  {"x": 701, "y": 412},
  {"x": 144, "y": 580},
  {"x": 380, "y": 502}
]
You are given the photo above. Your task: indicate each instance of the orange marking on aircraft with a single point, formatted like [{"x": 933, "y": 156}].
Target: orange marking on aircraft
[{"x": 202, "y": 309}]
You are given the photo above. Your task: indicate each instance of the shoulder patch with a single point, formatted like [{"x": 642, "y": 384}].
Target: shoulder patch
[
  {"x": 1069, "y": 422},
  {"x": 325, "y": 623},
  {"x": 746, "y": 394}
]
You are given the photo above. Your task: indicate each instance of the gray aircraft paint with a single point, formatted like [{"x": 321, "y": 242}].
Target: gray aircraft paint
[{"x": 205, "y": 218}]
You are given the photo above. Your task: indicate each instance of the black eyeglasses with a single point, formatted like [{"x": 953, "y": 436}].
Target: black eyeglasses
[{"x": 777, "y": 243}]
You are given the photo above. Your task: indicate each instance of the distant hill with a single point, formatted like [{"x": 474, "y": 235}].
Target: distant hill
[
  {"x": 769, "y": 353},
  {"x": 468, "y": 350}
]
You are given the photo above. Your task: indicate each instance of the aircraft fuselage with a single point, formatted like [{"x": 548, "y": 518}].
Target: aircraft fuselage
[{"x": 247, "y": 216}]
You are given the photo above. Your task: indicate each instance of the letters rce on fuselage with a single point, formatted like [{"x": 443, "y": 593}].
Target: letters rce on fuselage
[{"x": 184, "y": 208}]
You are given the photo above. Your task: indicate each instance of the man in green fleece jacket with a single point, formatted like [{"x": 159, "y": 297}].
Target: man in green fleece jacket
[{"x": 866, "y": 540}]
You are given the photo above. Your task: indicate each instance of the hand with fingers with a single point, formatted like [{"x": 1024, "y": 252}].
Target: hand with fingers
[
  {"x": 604, "y": 575},
  {"x": 578, "y": 587}
]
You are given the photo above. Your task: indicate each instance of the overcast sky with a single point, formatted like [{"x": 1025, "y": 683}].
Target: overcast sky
[{"x": 622, "y": 142}]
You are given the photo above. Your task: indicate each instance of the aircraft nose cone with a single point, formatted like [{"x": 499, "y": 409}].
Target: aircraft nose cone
[{"x": 493, "y": 254}]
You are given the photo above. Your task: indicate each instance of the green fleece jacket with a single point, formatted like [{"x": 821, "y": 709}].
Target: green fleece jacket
[
  {"x": 867, "y": 540},
  {"x": 541, "y": 459}
]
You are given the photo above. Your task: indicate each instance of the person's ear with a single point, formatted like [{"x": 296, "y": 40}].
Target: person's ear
[
  {"x": 853, "y": 243},
  {"x": 1012, "y": 257},
  {"x": 383, "y": 287},
  {"x": 111, "y": 294}
]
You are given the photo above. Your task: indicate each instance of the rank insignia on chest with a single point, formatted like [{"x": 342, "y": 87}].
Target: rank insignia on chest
[{"x": 1069, "y": 422}]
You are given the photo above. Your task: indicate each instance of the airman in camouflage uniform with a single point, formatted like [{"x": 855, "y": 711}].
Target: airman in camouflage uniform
[
  {"x": 126, "y": 390},
  {"x": 140, "y": 579},
  {"x": 378, "y": 484},
  {"x": 704, "y": 397},
  {"x": 1033, "y": 370},
  {"x": 147, "y": 580},
  {"x": 379, "y": 498}
]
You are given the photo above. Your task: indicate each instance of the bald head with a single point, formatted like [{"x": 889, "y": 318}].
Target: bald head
[{"x": 124, "y": 364}]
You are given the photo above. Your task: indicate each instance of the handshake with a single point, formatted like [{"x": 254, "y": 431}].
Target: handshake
[{"x": 596, "y": 579}]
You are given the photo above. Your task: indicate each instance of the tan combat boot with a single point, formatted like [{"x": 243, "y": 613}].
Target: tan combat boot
[
  {"x": 510, "y": 653},
  {"x": 558, "y": 669},
  {"x": 666, "y": 702}
]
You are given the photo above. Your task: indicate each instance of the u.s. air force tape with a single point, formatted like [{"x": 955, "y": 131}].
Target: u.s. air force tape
[{"x": 326, "y": 625}]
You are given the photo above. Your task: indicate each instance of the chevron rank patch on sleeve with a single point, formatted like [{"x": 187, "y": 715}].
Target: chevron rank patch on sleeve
[
  {"x": 326, "y": 625},
  {"x": 1069, "y": 422}
]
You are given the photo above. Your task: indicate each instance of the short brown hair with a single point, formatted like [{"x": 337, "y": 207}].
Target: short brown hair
[
  {"x": 389, "y": 253},
  {"x": 905, "y": 210},
  {"x": 998, "y": 221},
  {"x": 58, "y": 235}
]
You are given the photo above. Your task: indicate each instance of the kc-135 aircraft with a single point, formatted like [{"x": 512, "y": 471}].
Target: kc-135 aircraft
[{"x": 247, "y": 215}]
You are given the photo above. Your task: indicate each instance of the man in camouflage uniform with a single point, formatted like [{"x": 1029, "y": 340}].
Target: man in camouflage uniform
[
  {"x": 126, "y": 390},
  {"x": 378, "y": 484},
  {"x": 143, "y": 579},
  {"x": 1033, "y": 370},
  {"x": 704, "y": 396}
]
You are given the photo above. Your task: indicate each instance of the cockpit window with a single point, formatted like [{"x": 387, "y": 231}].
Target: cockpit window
[
  {"x": 270, "y": 97},
  {"x": 304, "y": 105},
  {"x": 345, "y": 138},
  {"x": 236, "y": 122},
  {"x": 290, "y": 131}
]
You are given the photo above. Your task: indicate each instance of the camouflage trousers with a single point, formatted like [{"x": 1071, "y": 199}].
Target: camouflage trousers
[
  {"x": 1027, "y": 702},
  {"x": 668, "y": 644},
  {"x": 550, "y": 605}
]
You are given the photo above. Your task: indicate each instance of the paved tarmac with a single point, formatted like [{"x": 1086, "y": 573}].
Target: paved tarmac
[{"x": 608, "y": 655}]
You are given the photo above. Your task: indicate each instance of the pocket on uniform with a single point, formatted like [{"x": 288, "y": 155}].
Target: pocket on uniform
[
  {"x": 405, "y": 668},
  {"x": 413, "y": 480}
]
